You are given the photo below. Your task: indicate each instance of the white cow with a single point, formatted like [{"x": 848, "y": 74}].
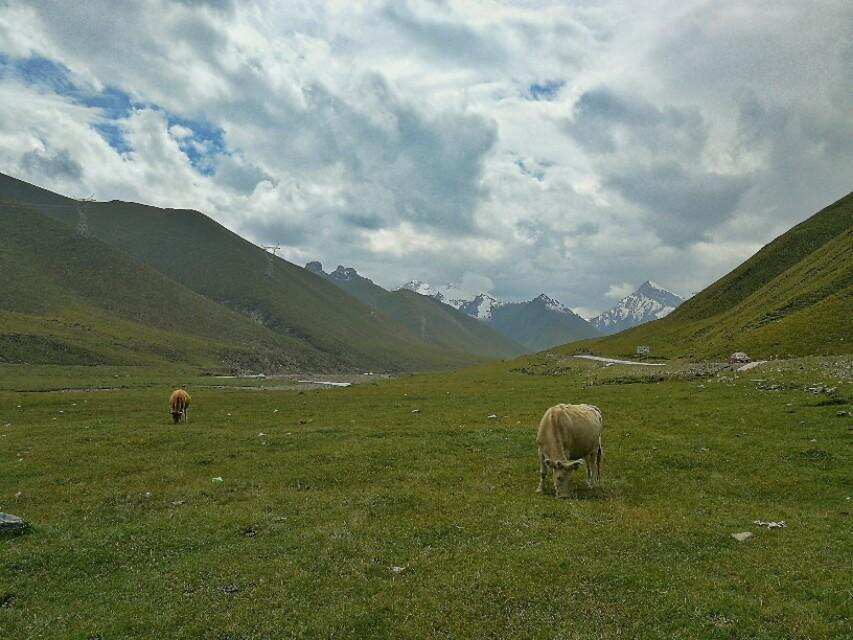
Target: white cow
[{"x": 570, "y": 435}]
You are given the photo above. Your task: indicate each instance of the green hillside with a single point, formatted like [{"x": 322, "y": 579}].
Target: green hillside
[
  {"x": 327, "y": 328},
  {"x": 75, "y": 300},
  {"x": 537, "y": 326},
  {"x": 439, "y": 324},
  {"x": 792, "y": 298},
  {"x": 432, "y": 321}
]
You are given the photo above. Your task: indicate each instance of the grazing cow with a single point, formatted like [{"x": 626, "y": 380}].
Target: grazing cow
[
  {"x": 570, "y": 435},
  {"x": 179, "y": 404}
]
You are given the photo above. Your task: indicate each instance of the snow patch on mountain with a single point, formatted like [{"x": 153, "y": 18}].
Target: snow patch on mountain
[
  {"x": 450, "y": 294},
  {"x": 421, "y": 287},
  {"x": 552, "y": 303},
  {"x": 481, "y": 307}
]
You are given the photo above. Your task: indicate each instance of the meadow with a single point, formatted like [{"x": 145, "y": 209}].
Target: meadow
[{"x": 400, "y": 509}]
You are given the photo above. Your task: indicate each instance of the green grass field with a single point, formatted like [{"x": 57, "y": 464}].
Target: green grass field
[{"x": 131, "y": 538}]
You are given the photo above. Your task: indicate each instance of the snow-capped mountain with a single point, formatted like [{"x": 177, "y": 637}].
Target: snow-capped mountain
[
  {"x": 551, "y": 303},
  {"x": 481, "y": 307},
  {"x": 421, "y": 287},
  {"x": 449, "y": 294},
  {"x": 650, "y": 302},
  {"x": 436, "y": 324},
  {"x": 539, "y": 323}
]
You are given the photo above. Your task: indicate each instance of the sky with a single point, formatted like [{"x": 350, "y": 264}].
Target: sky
[{"x": 573, "y": 148}]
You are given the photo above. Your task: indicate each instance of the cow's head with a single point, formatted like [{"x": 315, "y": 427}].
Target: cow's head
[{"x": 562, "y": 471}]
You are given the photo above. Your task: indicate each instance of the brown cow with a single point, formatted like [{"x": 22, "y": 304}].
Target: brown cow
[
  {"x": 179, "y": 404},
  {"x": 569, "y": 435}
]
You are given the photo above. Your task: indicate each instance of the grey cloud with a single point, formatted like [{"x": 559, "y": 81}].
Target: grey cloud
[
  {"x": 451, "y": 41},
  {"x": 652, "y": 157},
  {"x": 682, "y": 206},
  {"x": 368, "y": 221},
  {"x": 423, "y": 169},
  {"x": 49, "y": 166},
  {"x": 726, "y": 85},
  {"x": 604, "y": 120},
  {"x": 585, "y": 229},
  {"x": 806, "y": 158},
  {"x": 237, "y": 174},
  {"x": 219, "y": 5}
]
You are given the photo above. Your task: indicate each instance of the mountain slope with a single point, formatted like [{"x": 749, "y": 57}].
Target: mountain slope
[
  {"x": 332, "y": 329},
  {"x": 540, "y": 323},
  {"x": 432, "y": 321},
  {"x": 792, "y": 298},
  {"x": 65, "y": 298},
  {"x": 649, "y": 302}
]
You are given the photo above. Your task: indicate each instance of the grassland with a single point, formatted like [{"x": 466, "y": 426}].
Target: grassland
[{"x": 325, "y": 493}]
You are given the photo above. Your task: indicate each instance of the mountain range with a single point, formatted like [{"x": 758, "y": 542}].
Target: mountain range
[
  {"x": 537, "y": 324},
  {"x": 126, "y": 283},
  {"x": 544, "y": 322},
  {"x": 432, "y": 321}
]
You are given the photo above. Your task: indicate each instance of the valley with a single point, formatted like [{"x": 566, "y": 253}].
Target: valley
[{"x": 426, "y": 320}]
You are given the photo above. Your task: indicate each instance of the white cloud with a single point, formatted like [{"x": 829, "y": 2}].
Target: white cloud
[
  {"x": 179, "y": 132},
  {"x": 683, "y": 136},
  {"x": 620, "y": 290}
]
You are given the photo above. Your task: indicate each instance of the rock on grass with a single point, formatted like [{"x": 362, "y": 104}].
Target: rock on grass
[{"x": 12, "y": 525}]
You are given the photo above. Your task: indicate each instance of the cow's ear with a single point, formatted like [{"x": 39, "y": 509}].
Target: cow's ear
[{"x": 548, "y": 462}]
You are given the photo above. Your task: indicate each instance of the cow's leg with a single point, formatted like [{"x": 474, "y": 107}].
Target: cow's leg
[
  {"x": 543, "y": 473},
  {"x": 589, "y": 462}
]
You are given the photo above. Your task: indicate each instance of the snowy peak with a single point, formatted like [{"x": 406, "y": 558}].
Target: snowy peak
[
  {"x": 656, "y": 292},
  {"x": 481, "y": 306},
  {"x": 550, "y": 303},
  {"x": 449, "y": 294},
  {"x": 649, "y": 302},
  {"x": 540, "y": 323},
  {"x": 421, "y": 287}
]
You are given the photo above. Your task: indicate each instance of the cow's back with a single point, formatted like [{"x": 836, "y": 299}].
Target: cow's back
[
  {"x": 570, "y": 430},
  {"x": 179, "y": 400}
]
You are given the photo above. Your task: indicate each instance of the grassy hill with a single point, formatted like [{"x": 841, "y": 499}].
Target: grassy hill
[
  {"x": 794, "y": 297},
  {"x": 326, "y": 327},
  {"x": 431, "y": 320},
  {"x": 72, "y": 299}
]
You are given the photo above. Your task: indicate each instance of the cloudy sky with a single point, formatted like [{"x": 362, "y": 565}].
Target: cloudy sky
[{"x": 576, "y": 148}]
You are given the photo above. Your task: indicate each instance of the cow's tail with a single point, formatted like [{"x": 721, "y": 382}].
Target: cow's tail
[{"x": 600, "y": 454}]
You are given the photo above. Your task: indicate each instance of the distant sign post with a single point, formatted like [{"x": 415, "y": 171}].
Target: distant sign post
[
  {"x": 271, "y": 250},
  {"x": 643, "y": 350}
]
